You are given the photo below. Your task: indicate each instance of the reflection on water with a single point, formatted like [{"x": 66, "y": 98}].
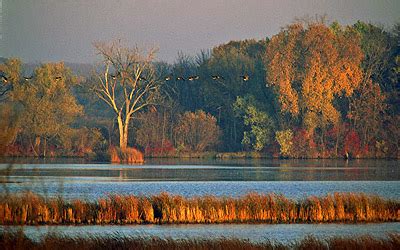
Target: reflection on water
[
  {"x": 293, "y": 178},
  {"x": 257, "y": 233}
]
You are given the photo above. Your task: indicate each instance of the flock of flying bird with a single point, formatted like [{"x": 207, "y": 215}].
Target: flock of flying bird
[
  {"x": 196, "y": 77},
  {"x": 214, "y": 77},
  {"x": 245, "y": 78},
  {"x": 4, "y": 78},
  {"x": 189, "y": 78}
]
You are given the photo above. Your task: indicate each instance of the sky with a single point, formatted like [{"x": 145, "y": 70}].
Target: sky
[{"x": 64, "y": 30}]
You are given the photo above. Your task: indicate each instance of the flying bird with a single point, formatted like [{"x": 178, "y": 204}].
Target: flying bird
[
  {"x": 142, "y": 78},
  {"x": 167, "y": 78},
  {"x": 58, "y": 77},
  {"x": 5, "y": 79},
  {"x": 217, "y": 77},
  {"x": 245, "y": 77},
  {"x": 180, "y": 78},
  {"x": 27, "y": 78},
  {"x": 192, "y": 78},
  {"x": 116, "y": 75}
]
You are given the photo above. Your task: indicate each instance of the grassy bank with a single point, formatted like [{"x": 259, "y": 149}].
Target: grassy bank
[
  {"x": 51, "y": 241},
  {"x": 164, "y": 208}
]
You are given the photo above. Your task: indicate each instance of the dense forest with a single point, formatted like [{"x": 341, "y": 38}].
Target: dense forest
[{"x": 311, "y": 91}]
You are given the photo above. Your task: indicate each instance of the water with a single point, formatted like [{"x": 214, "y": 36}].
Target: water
[
  {"x": 256, "y": 233},
  {"x": 293, "y": 178}
]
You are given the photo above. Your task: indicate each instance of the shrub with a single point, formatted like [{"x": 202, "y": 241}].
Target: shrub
[{"x": 197, "y": 131}]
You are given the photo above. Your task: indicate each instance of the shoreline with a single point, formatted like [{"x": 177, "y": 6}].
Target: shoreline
[{"x": 184, "y": 156}]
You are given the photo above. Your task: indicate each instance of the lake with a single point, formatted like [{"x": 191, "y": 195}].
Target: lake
[{"x": 293, "y": 178}]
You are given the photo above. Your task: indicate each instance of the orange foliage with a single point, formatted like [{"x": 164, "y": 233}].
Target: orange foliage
[
  {"x": 282, "y": 56},
  {"x": 310, "y": 66}
]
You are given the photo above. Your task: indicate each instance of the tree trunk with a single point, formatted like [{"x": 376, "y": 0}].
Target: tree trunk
[
  {"x": 44, "y": 147},
  {"x": 125, "y": 137},
  {"x": 337, "y": 141},
  {"x": 123, "y": 142},
  {"x": 163, "y": 132}
]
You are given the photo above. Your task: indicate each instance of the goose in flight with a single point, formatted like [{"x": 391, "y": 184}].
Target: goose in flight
[
  {"x": 217, "y": 77},
  {"x": 192, "y": 78},
  {"x": 245, "y": 77},
  {"x": 180, "y": 78},
  {"x": 5, "y": 79}
]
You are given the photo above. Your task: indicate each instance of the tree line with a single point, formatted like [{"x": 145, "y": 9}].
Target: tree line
[{"x": 312, "y": 90}]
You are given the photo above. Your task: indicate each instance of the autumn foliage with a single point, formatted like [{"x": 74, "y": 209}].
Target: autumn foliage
[
  {"x": 334, "y": 87},
  {"x": 197, "y": 131}
]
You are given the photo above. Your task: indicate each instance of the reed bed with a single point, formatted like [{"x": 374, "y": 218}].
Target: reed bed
[
  {"x": 32, "y": 209},
  {"x": 18, "y": 240}
]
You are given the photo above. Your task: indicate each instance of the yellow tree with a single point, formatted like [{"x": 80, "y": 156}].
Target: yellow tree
[
  {"x": 42, "y": 105},
  {"x": 282, "y": 57},
  {"x": 48, "y": 106},
  {"x": 309, "y": 67},
  {"x": 127, "y": 84}
]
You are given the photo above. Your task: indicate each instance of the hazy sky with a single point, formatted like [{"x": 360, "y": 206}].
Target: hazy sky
[{"x": 43, "y": 30}]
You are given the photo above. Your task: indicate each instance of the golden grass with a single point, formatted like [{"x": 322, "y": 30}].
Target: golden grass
[
  {"x": 129, "y": 155},
  {"x": 18, "y": 240},
  {"x": 32, "y": 209}
]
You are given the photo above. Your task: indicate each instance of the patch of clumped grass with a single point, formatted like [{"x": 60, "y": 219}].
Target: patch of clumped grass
[{"x": 32, "y": 209}]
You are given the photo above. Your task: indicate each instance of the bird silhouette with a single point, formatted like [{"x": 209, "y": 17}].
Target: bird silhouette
[
  {"x": 180, "y": 78},
  {"x": 58, "y": 77},
  {"x": 167, "y": 78},
  {"x": 5, "y": 79},
  {"x": 217, "y": 77},
  {"x": 142, "y": 78},
  {"x": 245, "y": 77},
  {"x": 27, "y": 78},
  {"x": 115, "y": 75},
  {"x": 192, "y": 78}
]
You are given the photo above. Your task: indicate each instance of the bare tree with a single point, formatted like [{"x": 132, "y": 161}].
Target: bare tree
[{"x": 127, "y": 84}]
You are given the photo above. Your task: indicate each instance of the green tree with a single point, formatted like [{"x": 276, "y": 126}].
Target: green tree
[
  {"x": 368, "y": 107},
  {"x": 231, "y": 61},
  {"x": 260, "y": 125},
  {"x": 377, "y": 46}
]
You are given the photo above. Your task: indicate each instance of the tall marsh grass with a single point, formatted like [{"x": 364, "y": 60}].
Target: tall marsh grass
[
  {"x": 32, "y": 209},
  {"x": 18, "y": 240}
]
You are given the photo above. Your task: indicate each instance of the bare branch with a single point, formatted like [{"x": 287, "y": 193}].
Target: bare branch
[{"x": 133, "y": 88}]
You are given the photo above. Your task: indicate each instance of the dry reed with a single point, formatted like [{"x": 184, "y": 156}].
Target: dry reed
[{"x": 32, "y": 209}]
